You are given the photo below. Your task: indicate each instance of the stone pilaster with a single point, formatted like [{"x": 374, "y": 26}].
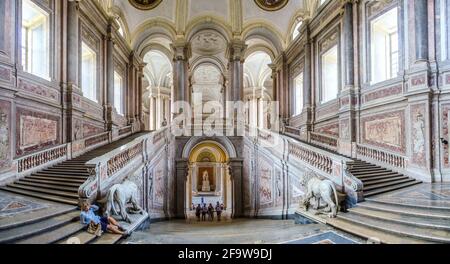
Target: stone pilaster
[
  {"x": 348, "y": 95},
  {"x": 282, "y": 88},
  {"x": 109, "y": 104},
  {"x": 236, "y": 166},
  {"x": 308, "y": 105},
  {"x": 180, "y": 188},
  {"x": 72, "y": 93}
]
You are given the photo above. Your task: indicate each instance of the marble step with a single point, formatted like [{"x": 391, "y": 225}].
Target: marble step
[
  {"x": 22, "y": 232},
  {"x": 363, "y": 231},
  {"x": 423, "y": 212},
  {"x": 382, "y": 176},
  {"x": 364, "y": 166},
  {"x": 51, "y": 178},
  {"x": 53, "y": 198},
  {"x": 73, "y": 195},
  {"x": 65, "y": 184},
  {"x": 370, "y": 182},
  {"x": 387, "y": 184},
  {"x": 365, "y": 169},
  {"x": 407, "y": 208},
  {"x": 69, "y": 169},
  {"x": 61, "y": 233},
  {"x": 416, "y": 232},
  {"x": 59, "y": 176},
  {"x": 379, "y": 177},
  {"x": 107, "y": 239},
  {"x": 411, "y": 220},
  {"x": 36, "y": 216},
  {"x": 390, "y": 188},
  {"x": 83, "y": 237},
  {"x": 366, "y": 173},
  {"x": 64, "y": 172},
  {"x": 47, "y": 186}
]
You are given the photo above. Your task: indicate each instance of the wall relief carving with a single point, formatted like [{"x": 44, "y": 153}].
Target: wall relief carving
[
  {"x": 5, "y": 146},
  {"x": 385, "y": 130},
  {"x": 145, "y": 4},
  {"x": 418, "y": 134},
  {"x": 265, "y": 183},
  {"x": 271, "y": 5}
]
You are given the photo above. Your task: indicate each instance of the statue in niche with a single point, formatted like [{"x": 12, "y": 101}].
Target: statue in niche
[
  {"x": 419, "y": 134},
  {"x": 206, "y": 187}
]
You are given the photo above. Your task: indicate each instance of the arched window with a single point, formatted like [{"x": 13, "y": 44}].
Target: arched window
[
  {"x": 89, "y": 72},
  {"x": 118, "y": 93}
]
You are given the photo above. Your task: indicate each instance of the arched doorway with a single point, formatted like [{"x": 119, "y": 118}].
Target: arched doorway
[{"x": 208, "y": 180}]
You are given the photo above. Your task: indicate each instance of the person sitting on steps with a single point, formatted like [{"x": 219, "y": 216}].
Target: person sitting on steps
[{"x": 107, "y": 223}]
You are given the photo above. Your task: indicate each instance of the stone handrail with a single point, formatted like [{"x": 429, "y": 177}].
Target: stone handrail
[
  {"x": 382, "y": 157},
  {"x": 323, "y": 162},
  {"x": 40, "y": 158},
  {"x": 108, "y": 168}
]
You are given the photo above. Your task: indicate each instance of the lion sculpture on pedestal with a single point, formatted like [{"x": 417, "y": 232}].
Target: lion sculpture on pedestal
[
  {"x": 320, "y": 191},
  {"x": 119, "y": 196}
]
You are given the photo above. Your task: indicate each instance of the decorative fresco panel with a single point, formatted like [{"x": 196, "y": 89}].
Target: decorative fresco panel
[
  {"x": 265, "y": 183},
  {"x": 331, "y": 129},
  {"x": 5, "y": 141},
  {"x": 385, "y": 130},
  {"x": 36, "y": 131},
  {"x": 418, "y": 134},
  {"x": 91, "y": 130}
]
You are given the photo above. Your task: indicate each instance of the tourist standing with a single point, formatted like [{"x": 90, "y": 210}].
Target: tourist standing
[
  {"x": 198, "y": 211},
  {"x": 219, "y": 211},
  {"x": 211, "y": 212},
  {"x": 204, "y": 212}
]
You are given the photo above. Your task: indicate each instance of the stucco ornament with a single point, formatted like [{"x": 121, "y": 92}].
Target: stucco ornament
[
  {"x": 119, "y": 196},
  {"x": 318, "y": 190},
  {"x": 271, "y": 5},
  {"x": 145, "y": 4}
]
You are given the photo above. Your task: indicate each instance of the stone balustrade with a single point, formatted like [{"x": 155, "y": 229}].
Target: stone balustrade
[
  {"x": 382, "y": 156},
  {"x": 41, "y": 158},
  {"x": 120, "y": 160}
]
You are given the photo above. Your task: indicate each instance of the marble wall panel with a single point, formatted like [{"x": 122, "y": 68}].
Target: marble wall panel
[
  {"x": 418, "y": 134},
  {"x": 5, "y": 135},
  {"x": 266, "y": 195},
  {"x": 159, "y": 187}
]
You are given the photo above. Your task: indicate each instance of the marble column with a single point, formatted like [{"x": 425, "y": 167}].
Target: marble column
[
  {"x": 139, "y": 90},
  {"x": 236, "y": 52},
  {"x": 308, "y": 104},
  {"x": 349, "y": 59},
  {"x": 237, "y": 174},
  {"x": 421, "y": 28},
  {"x": 182, "y": 54}
]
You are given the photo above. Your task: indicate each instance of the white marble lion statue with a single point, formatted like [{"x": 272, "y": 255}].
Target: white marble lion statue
[
  {"x": 119, "y": 196},
  {"x": 320, "y": 190}
]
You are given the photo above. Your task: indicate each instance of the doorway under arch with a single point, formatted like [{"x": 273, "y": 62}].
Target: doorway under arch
[{"x": 208, "y": 178}]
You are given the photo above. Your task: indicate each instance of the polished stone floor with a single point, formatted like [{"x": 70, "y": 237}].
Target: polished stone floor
[{"x": 240, "y": 231}]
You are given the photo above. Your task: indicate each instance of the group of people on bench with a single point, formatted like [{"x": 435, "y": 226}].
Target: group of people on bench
[{"x": 202, "y": 211}]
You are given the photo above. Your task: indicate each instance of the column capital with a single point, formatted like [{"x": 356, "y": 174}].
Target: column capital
[
  {"x": 236, "y": 50},
  {"x": 181, "y": 50}
]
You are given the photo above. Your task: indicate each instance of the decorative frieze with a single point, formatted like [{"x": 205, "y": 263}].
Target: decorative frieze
[
  {"x": 383, "y": 93},
  {"x": 39, "y": 90}
]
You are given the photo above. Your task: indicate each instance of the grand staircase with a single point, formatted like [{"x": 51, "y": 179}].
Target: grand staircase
[
  {"x": 58, "y": 184},
  {"x": 378, "y": 180}
]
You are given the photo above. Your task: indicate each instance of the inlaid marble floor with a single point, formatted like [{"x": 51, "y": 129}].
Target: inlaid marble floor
[{"x": 241, "y": 231}]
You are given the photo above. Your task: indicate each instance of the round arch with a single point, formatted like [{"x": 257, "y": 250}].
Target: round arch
[{"x": 224, "y": 143}]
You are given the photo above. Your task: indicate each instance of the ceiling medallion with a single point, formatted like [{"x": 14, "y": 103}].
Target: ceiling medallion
[
  {"x": 271, "y": 5},
  {"x": 145, "y": 4}
]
